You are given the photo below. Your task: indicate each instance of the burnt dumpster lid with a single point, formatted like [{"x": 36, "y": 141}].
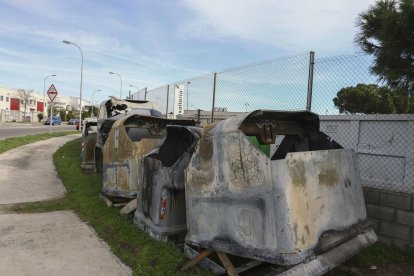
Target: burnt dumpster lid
[
  {"x": 304, "y": 118},
  {"x": 194, "y": 130},
  {"x": 120, "y": 105},
  {"x": 134, "y": 117},
  {"x": 131, "y": 103}
]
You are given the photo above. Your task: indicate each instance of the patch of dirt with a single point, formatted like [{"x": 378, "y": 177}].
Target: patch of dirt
[
  {"x": 6, "y": 208},
  {"x": 386, "y": 270},
  {"x": 128, "y": 247}
]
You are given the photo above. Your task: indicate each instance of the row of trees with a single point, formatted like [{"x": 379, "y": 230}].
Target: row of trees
[
  {"x": 371, "y": 99},
  {"x": 386, "y": 33},
  {"x": 25, "y": 96}
]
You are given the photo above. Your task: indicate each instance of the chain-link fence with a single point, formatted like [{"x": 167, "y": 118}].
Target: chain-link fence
[
  {"x": 383, "y": 141},
  {"x": 139, "y": 95},
  {"x": 274, "y": 84}
]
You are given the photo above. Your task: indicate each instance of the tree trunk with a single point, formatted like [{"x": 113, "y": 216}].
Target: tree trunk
[{"x": 25, "y": 104}]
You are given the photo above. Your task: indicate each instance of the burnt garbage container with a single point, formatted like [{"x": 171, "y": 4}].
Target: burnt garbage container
[
  {"x": 88, "y": 147},
  {"x": 302, "y": 204},
  {"x": 161, "y": 210},
  {"x": 131, "y": 137}
]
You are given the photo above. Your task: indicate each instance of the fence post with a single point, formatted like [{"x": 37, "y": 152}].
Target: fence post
[
  {"x": 198, "y": 122},
  {"x": 145, "y": 97},
  {"x": 310, "y": 80},
  {"x": 214, "y": 98},
  {"x": 168, "y": 97}
]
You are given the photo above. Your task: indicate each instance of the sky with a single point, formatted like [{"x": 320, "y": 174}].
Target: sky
[{"x": 152, "y": 43}]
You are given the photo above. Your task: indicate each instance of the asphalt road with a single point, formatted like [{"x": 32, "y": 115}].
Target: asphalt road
[{"x": 15, "y": 130}]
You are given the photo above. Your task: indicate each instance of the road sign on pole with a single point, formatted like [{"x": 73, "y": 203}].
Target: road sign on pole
[{"x": 52, "y": 92}]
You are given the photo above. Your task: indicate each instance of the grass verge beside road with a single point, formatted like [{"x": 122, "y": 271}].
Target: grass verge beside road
[
  {"x": 11, "y": 143},
  {"x": 136, "y": 249},
  {"x": 149, "y": 257}
]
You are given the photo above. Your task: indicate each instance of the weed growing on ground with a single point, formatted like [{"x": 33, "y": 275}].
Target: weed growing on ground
[
  {"x": 11, "y": 143},
  {"x": 135, "y": 248}
]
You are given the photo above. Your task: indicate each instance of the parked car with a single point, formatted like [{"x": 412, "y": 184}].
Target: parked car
[
  {"x": 55, "y": 121},
  {"x": 73, "y": 121}
]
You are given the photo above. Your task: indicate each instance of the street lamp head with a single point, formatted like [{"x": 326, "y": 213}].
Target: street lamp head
[
  {"x": 111, "y": 73},
  {"x": 67, "y": 42},
  {"x": 53, "y": 75}
]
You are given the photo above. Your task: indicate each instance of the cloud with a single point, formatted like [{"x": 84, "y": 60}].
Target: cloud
[
  {"x": 12, "y": 53},
  {"x": 158, "y": 42},
  {"x": 37, "y": 7},
  {"x": 52, "y": 36},
  {"x": 288, "y": 24}
]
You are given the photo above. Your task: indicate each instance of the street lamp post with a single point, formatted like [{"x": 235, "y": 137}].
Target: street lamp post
[
  {"x": 113, "y": 73},
  {"x": 44, "y": 93},
  {"x": 136, "y": 88},
  {"x": 93, "y": 94},
  {"x": 80, "y": 95}
]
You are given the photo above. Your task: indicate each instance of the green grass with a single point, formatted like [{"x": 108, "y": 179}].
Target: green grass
[
  {"x": 382, "y": 254},
  {"x": 263, "y": 148},
  {"x": 388, "y": 259},
  {"x": 11, "y": 143},
  {"x": 135, "y": 248}
]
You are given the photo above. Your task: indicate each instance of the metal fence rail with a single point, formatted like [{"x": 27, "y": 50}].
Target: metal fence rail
[{"x": 298, "y": 82}]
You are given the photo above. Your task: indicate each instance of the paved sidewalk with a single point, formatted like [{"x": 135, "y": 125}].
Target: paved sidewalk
[
  {"x": 28, "y": 174},
  {"x": 54, "y": 243}
]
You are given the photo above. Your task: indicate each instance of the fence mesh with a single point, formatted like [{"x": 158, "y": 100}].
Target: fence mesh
[
  {"x": 275, "y": 84},
  {"x": 158, "y": 95},
  {"x": 383, "y": 142},
  {"x": 139, "y": 95},
  {"x": 198, "y": 94}
]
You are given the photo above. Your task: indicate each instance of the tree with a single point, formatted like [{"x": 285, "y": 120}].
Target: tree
[
  {"x": 24, "y": 96},
  {"x": 95, "y": 111},
  {"x": 75, "y": 103},
  {"x": 387, "y": 33},
  {"x": 40, "y": 116},
  {"x": 373, "y": 99},
  {"x": 50, "y": 109}
]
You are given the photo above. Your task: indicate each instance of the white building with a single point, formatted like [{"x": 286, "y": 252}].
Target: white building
[{"x": 12, "y": 106}]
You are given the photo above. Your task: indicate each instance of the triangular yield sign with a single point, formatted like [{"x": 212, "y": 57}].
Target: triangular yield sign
[{"x": 52, "y": 92}]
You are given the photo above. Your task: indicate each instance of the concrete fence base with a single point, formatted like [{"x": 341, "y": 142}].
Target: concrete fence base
[{"x": 392, "y": 216}]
